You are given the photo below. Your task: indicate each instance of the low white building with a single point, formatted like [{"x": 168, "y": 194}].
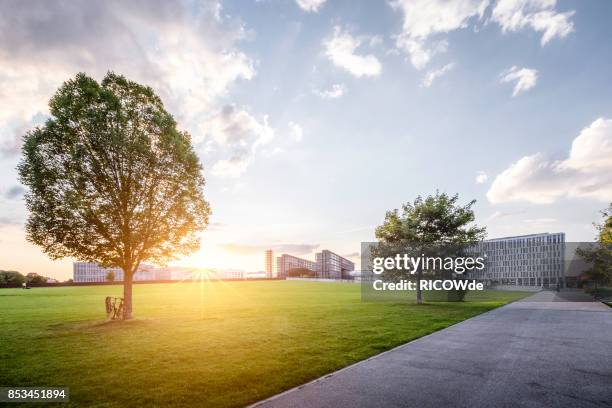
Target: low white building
[
  {"x": 231, "y": 274},
  {"x": 92, "y": 272}
]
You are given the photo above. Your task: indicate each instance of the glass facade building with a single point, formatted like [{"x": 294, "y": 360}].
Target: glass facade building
[
  {"x": 285, "y": 263},
  {"x": 527, "y": 260},
  {"x": 327, "y": 265},
  {"x": 333, "y": 266}
]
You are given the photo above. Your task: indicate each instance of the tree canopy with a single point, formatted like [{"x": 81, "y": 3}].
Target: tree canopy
[
  {"x": 111, "y": 179},
  {"x": 436, "y": 221},
  {"x": 16, "y": 279}
]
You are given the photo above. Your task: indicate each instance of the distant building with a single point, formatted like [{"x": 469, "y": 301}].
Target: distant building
[
  {"x": 145, "y": 273},
  {"x": 255, "y": 275},
  {"x": 327, "y": 265},
  {"x": 526, "y": 260},
  {"x": 92, "y": 272},
  {"x": 269, "y": 263},
  {"x": 163, "y": 274},
  {"x": 231, "y": 274},
  {"x": 333, "y": 266},
  {"x": 181, "y": 274},
  {"x": 285, "y": 263}
]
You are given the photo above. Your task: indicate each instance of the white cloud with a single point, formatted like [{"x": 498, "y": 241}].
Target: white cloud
[
  {"x": 10, "y": 145},
  {"x": 341, "y": 50},
  {"x": 481, "y": 177},
  {"x": 503, "y": 214},
  {"x": 236, "y": 127},
  {"x": 186, "y": 51},
  {"x": 296, "y": 131},
  {"x": 237, "y": 134},
  {"x": 232, "y": 167},
  {"x": 539, "y": 15},
  {"x": 525, "y": 78},
  {"x": 586, "y": 172},
  {"x": 310, "y": 5},
  {"x": 336, "y": 91},
  {"x": 425, "y": 22},
  {"x": 375, "y": 40},
  {"x": 592, "y": 149},
  {"x": 273, "y": 151},
  {"x": 425, "y": 19},
  {"x": 434, "y": 74},
  {"x": 14, "y": 192},
  {"x": 532, "y": 179}
]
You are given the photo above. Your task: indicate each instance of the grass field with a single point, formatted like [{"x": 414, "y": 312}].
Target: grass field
[{"x": 216, "y": 344}]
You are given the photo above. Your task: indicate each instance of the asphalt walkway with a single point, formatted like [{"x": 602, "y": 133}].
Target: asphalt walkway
[{"x": 548, "y": 350}]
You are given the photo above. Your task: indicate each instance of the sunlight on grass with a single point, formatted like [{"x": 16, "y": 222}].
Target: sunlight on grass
[{"x": 206, "y": 342}]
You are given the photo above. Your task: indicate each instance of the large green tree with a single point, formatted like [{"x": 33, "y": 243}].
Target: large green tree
[
  {"x": 434, "y": 222},
  {"x": 111, "y": 180}
]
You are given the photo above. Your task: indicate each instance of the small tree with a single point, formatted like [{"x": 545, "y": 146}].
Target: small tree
[
  {"x": 35, "y": 279},
  {"x": 436, "y": 220},
  {"x": 599, "y": 255},
  {"x": 11, "y": 278},
  {"x": 110, "y": 276},
  {"x": 301, "y": 273},
  {"x": 605, "y": 228},
  {"x": 111, "y": 180}
]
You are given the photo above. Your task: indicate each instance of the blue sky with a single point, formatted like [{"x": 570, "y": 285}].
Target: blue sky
[{"x": 313, "y": 118}]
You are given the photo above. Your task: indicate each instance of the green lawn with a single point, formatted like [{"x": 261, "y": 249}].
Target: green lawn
[{"x": 216, "y": 344}]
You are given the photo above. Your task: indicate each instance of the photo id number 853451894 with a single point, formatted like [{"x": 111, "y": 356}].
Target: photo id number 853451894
[{"x": 34, "y": 394}]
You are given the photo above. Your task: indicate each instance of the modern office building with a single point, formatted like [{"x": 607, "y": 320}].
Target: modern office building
[
  {"x": 327, "y": 265},
  {"x": 527, "y": 260},
  {"x": 286, "y": 262},
  {"x": 333, "y": 266},
  {"x": 269, "y": 263}
]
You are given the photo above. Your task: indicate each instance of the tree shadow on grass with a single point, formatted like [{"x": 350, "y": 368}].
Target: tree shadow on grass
[{"x": 97, "y": 326}]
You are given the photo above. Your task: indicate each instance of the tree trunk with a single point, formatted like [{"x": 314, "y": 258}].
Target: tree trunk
[
  {"x": 127, "y": 295},
  {"x": 419, "y": 293}
]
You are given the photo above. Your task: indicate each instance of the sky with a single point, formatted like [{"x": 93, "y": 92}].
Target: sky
[{"x": 313, "y": 118}]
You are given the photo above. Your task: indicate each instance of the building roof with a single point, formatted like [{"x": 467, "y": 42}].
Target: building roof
[{"x": 542, "y": 234}]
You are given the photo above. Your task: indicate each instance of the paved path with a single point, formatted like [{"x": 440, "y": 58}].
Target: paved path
[{"x": 544, "y": 351}]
